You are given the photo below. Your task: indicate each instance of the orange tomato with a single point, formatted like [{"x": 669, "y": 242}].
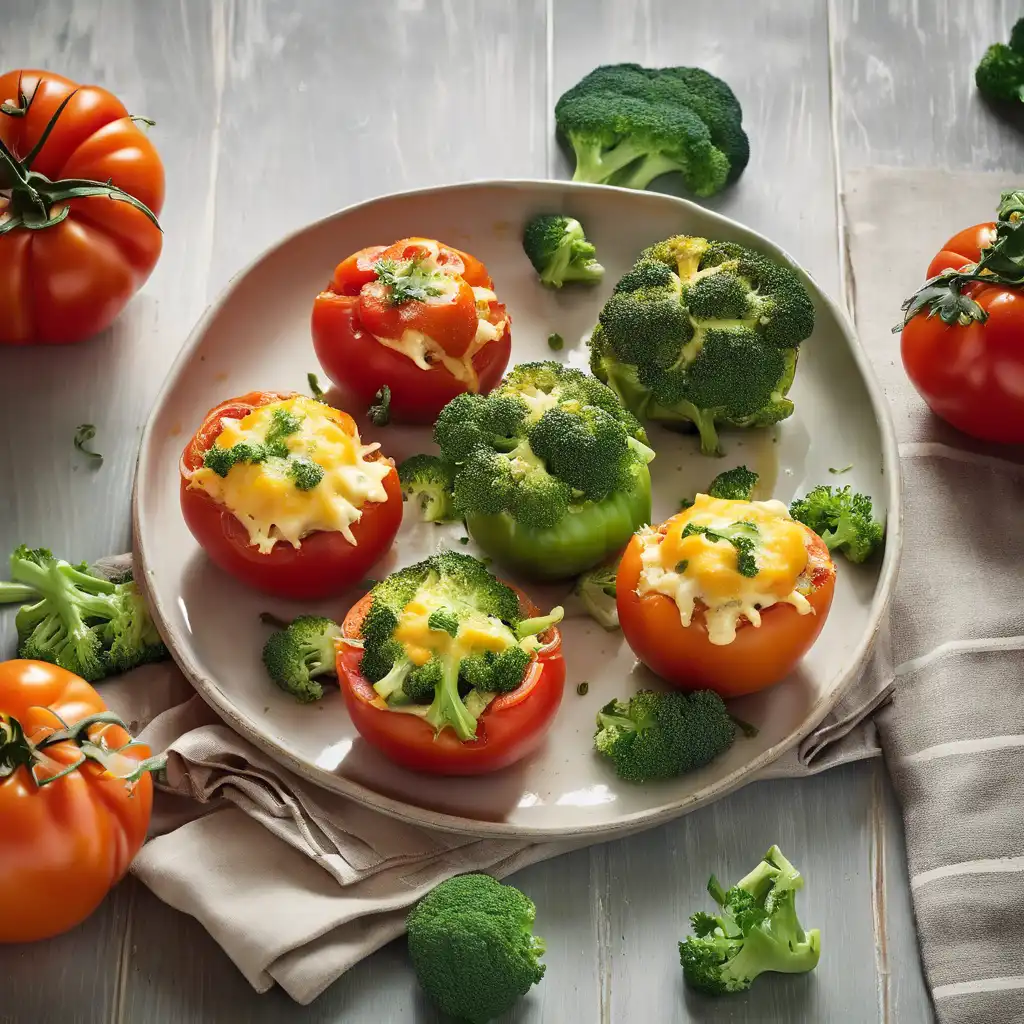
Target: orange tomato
[
  {"x": 69, "y": 280},
  {"x": 64, "y": 843},
  {"x": 759, "y": 656}
]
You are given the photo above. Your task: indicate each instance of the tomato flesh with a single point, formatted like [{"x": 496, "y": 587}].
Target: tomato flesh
[
  {"x": 512, "y": 726},
  {"x": 324, "y": 564}
]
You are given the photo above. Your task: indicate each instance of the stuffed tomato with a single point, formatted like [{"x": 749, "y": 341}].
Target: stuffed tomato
[
  {"x": 447, "y": 670},
  {"x": 725, "y": 595},
  {"x": 281, "y": 493},
  {"x": 418, "y": 316},
  {"x": 551, "y": 470}
]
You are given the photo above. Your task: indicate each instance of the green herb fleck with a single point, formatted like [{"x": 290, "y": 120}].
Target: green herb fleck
[
  {"x": 742, "y": 536},
  {"x": 843, "y": 469},
  {"x": 305, "y": 473},
  {"x": 463, "y": 540},
  {"x": 83, "y": 435},
  {"x": 556, "y": 342},
  {"x": 314, "y": 386},
  {"x": 406, "y": 280},
  {"x": 380, "y": 411},
  {"x": 685, "y": 504},
  {"x": 583, "y": 688},
  {"x": 681, "y": 566}
]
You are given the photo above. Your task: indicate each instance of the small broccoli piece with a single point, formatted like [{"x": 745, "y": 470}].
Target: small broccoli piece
[
  {"x": 756, "y": 930},
  {"x": 596, "y": 591},
  {"x": 559, "y": 251},
  {"x": 444, "y": 621},
  {"x": 472, "y": 946},
  {"x": 420, "y": 684},
  {"x": 734, "y": 484},
  {"x": 556, "y": 342},
  {"x": 76, "y": 619},
  {"x": 429, "y": 482},
  {"x": 742, "y": 536},
  {"x": 299, "y": 655},
  {"x": 476, "y": 671},
  {"x": 508, "y": 670},
  {"x": 379, "y": 412},
  {"x": 84, "y": 434},
  {"x": 305, "y": 473},
  {"x": 843, "y": 519},
  {"x": 1000, "y": 73},
  {"x": 704, "y": 333},
  {"x": 628, "y": 125},
  {"x": 660, "y": 735}
]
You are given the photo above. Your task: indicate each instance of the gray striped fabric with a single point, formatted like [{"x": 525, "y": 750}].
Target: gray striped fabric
[{"x": 953, "y": 736}]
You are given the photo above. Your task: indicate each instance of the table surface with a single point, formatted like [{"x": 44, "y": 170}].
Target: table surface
[{"x": 272, "y": 113}]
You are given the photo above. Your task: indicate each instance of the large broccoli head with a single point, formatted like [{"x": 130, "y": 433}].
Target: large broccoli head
[
  {"x": 472, "y": 946},
  {"x": 703, "y": 332},
  {"x": 1000, "y": 73},
  {"x": 628, "y": 125}
]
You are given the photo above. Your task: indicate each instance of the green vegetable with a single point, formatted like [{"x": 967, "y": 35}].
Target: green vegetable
[
  {"x": 282, "y": 425},
  {"x": 734, "y": 484},
  {"x": 756, "y": 930},
  {"x": 840, "y": 469},
  {"x": 429, "y": 481},
  {"x": 472, "y": 946},
  {"x": 298, "y": 655},
  {"x": 83, "y": 435},
  {"x": 556, "y": 342},
  {"x": 704, "y": 333},
  {"x": 659, "y": 735},
  {"x": 1000, "y": 74},
  {"x": 314, "y": 386},
  {"x": 583, "y": 689},
  {"x": 379, "y": 412},
  {"x": 78, "y": 620},
  {"x": 560, "y": 252},
  {"x": 304, "y": 472},
  {"x": 596, "y": 591},
  {"x": 460, "y": 592},
  {"x": 843, "y": 519},
  {"x": 407, "y": 280},
  {"x": 551, "y": 470},
  {"x": 742, "y": 536},
  {"x": 628, "y": 125}
]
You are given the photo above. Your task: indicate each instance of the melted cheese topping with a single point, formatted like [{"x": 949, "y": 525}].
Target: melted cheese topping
[
  {"x": 695, "y": 568},
  {"x": 263, "y": 496},
  {"x": 477, "y": 632}
]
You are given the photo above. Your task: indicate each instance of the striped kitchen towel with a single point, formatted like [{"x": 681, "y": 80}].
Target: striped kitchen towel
[{"x": 953, "y": 737}]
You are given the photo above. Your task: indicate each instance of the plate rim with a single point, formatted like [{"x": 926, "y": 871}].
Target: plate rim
[{"x": 453, "y": 823}]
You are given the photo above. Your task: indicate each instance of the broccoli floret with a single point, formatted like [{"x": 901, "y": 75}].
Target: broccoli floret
[
  {"x": 297, "y": 656},
  {"x": 596, "y": 591},
  {"x": 843, "y": 519},
  {"x": 457, "y": 681},
  {"x": 547, "y": 438},
  {"x": 1000, "y": 74},
  {"x": 660, "y": 735},
  {"x": 78, "y": 620},
  {"x": 429, "y": 482},
  {"x": 305, "y": 473},
  {"x": 756, "y": 930},
  {"x": 734, "y": 484},
  {"x": 559, "y": 251},
  {"x": 472, "y": 946},
  {"x": 705, "y": 333},
  {"x": 628, "y": 125},
  {"x": 742, "y": 536}
]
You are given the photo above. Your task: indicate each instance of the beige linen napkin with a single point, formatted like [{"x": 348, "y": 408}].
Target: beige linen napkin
[
  {"x": 297, "y": 884},
  {"x": 953, "y": 737}
]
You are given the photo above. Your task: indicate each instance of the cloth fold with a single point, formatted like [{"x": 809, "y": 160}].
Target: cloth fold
[
  {"x": 953, "y": 736},
  {"x": 296, "y": 883}
]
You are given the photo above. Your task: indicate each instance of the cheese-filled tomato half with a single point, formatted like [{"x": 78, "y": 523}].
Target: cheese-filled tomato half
[
  {"x": 281, "y": 493},
  {"x": 417, "y": 316},
  {"x": 725, "y": 595}
]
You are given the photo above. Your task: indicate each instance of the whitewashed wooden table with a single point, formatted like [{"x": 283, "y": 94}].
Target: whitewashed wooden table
[{"x": 271, "y": 113}]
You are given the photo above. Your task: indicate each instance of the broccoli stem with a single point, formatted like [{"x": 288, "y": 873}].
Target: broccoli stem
[
  {"x": 16, "y": 593},
  {"x": 761, "y": 952},
  {"x": 651, "y": 167},
  {"x": 448, "y": 709},
  {"x": 531, "y": 627},
  {"x": 596, "y": 164},
  {"x": 394, "y": 680}
]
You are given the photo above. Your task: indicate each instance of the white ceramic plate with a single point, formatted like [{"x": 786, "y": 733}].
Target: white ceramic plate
[{"x": 256, "y": 336}]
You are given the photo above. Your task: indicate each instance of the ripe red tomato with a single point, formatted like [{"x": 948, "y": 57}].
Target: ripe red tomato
[
  {"x": 971, "y": 376},
  {"x": 355, "y": 310},
  {"x": 324, "y": 563},
  {"x": 512, "y": 726},
  {"x": 64, "y": 844},
  {"x": 68, "y": 281},
  {"x": 683, "y": 655}
]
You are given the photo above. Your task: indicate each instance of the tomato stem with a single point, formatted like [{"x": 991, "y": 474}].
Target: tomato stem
[{"x": 33, "y": 195}]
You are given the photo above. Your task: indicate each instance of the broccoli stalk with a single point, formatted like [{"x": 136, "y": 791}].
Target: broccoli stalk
[
  {"x": 559, "y": 251},
  {"x": 472, "y": 946},
  {"x": 756, "y": 930},
  {"x": 596, "y": 590},
  {"x": 429, "y": 482},
  {"x": 297, "y": 656},
  {"x": 81, "y": 622},
  {"x": 527, "y": 628},
  {"x": 703, "y": 333},
  {"x": 843, "y": 519},
  {"x": 448, "y": 709},
  {"x": 658, "y": 735}
]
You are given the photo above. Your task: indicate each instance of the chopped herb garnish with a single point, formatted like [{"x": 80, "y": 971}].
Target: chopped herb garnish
[
  {"x": 406, "y": 280},
  {"x": 380, "y": 411},
  {"x": 463, "y": 540},
  {"x": 282, "y": 424},
  {"x": 741, "y": 536},
  {"x": 583, "y": 689},
  {"x": 83, "y": 435},
  {"x": 556, "y": 342},
  {"x": 681, "y": 566},
  {"x": 843, "y": 469},
  {"x": 314, "y": 386}
]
